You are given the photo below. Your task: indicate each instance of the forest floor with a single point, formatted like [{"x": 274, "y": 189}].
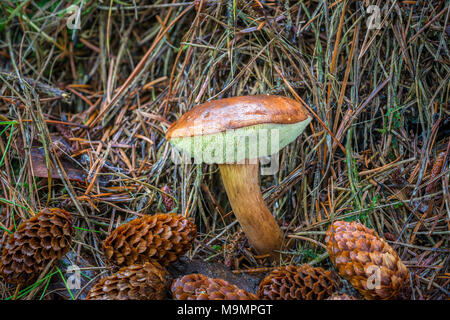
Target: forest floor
[{"x": 88, "y": 90}]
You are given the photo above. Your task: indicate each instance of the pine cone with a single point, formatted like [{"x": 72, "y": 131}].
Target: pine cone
[
  {"x": 365, "y": 259},
  {"x": 200, "y": 287},
  {"x": 162, "y": 237},
  {"x": 37, "y": 241},
  {"x": 297, "y": 283},
  {"x": 146, "y": 281},
  {"x": 341, "y": 296}
]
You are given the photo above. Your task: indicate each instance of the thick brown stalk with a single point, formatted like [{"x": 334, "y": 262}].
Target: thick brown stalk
[{"x": 242, "y": 185}]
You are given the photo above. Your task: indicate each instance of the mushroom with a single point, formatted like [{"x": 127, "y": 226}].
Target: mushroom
[{"x": 234, "y": 133}]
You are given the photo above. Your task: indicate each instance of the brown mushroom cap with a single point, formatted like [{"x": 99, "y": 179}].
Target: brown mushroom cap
[
  {"x": 235, "y": 129},
  {"x": 237, "y": 112}
]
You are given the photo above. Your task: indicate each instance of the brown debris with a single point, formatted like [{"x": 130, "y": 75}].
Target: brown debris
[
  {"x": 168, "y": 202},
  {"x": 39, "y": 164}
]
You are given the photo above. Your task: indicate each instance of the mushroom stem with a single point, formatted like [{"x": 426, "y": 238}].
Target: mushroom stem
[{"x": 242, "y": 186}]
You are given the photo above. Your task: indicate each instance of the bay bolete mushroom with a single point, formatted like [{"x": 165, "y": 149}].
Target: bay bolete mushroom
[{"x": 234, "y": 133}]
